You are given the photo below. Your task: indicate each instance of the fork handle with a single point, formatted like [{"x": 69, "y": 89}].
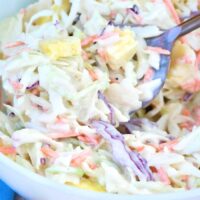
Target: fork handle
[{"x": 189, "y": 25}]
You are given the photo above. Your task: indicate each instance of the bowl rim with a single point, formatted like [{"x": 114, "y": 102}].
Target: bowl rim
[{"x": 61, "y": 187}]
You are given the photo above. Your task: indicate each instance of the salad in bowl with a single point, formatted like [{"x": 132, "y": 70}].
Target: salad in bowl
[{"x": 74, "y": 73}]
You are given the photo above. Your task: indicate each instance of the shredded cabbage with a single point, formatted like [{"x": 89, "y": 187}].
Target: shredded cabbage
[{"x": 74, "y": 72}]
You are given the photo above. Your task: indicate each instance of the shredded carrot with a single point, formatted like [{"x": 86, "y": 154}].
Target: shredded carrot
[
  {"x": 16, "y": 85},
  {"x": 47, "y": 151},
  {"x": 15, "y": 44},
  {"x": 139, "y": 148},
  {"x": 35, "y": 91},
  {"x": 113, "y": 80},
  {"x": 138, "y": 18},
  {"x": 163, "y": 175},
  {"x": 8, "y": 150},
  {"x": 85, "y": 55},
  {"x": 88, "y": 40},
  {"x": 106, "y": 35},
  {"x": 186, "y": 112},
  {"x": 187, "y": 125},
  {"x": 112, "y": 14},
  {"x": 158, "y": 50},
  {"x": 196, "y": 115},
  {"x": 148, "y": 75},
  {"x": 170, "y": 145},
  {"x": 92, "y": 165},
  {"x": 63, "y": 135},
  {"x": 103, "y": 54},
  {"x": 185, "y": 178},
  {"x": 191, "y": 85},
  {"x": 79, "y": 158},
  {"x": 153, "y": 169},
  {"x": 93, "y": 74},
  {"x": 183, "y": 39},
  {"x": 187, "y": 59},
  {"x": 172, "y": 10},
  {"x": 94, "y": 140},
  {"x": 61, "y": 119}
]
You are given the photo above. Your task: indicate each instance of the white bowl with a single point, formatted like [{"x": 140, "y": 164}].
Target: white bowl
[{"x": 35, "y": 187}]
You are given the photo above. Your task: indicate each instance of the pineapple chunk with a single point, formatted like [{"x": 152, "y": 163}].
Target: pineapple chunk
[
  {"x": 64, "y": 7},
  {"x": 61, "y": 48},
  {"x": 181, "y": 71},
  {"x": 122, "y": 51},
  {"x": 90, "y": 185},
  {"x": 43, "y": 20}
]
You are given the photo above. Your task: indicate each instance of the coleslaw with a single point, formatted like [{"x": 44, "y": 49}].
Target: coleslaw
[{"x": 72, "y": 72}]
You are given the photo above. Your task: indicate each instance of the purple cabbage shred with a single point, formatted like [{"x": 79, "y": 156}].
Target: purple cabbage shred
[
  {"x": 43, "y": 161},
  {"x": 136, "y": 124},
  {"x": 187, "y": 96},
  {"x": 56, "y": 23},
  {"x": 103, "y": 98},
  {"x": 121, "y": 153},
  {"x": 33, "y": 86},
  {"x": 135, "y": 9}
]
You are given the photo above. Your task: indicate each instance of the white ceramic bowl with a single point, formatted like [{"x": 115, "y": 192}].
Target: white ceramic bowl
[{"x": 35, "y": 187}]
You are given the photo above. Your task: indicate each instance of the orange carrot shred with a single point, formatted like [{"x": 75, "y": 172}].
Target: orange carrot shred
[
  {"x": 191, "y": 85},
  {"x": 138, "y": 18},
  {"x": 153, "y": 169},
  {"x": 106, "y": 35},
  {"x": 170, "y": 145},
  {"x": 103, "y": 54},
  {"x": 63, "y": 135},
  {"x": 89, "y": 139},
  {"x": 47, "y": 151},
  {"x": 61, "y": 119},
  {"x": 35, "y": 91},
  {"x": 112, "y": 14},
  {"x": 148, "y": 75},
  {"x": 88, "y": 40},
  {"x": 93, "y": 74},
  {"x": 16, "y": 85},
  {"x": 187, "y": 59},
  {"x": 186, "y": 112},
  {"x": 92, "y": 165},
  {"x": 15, "y": 44},
  {"x": 163, "y": 175},
  {"x": 171, "y": 8},
  {"x": 183, "y": 39},
  {"x": 185, "y": 178},
  {"x": 187, "y": 125},
  {"x": 8, "y": 150},
  {"x": 85, "y": 55},
  {"x": 140, "y": 148},
  {"x": 79, "y": 158},
  {"x": 159, "y": 50}
]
